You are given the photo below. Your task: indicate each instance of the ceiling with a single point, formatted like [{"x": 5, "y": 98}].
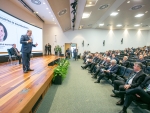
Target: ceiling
[{"x": 59, "y": 12}]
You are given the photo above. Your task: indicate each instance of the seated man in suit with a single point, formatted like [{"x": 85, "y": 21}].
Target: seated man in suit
[
  {"x": 14, "y": 51},
  {"x": 124, "y": 62},
  {"x": 134, "y": 80},
  {"x": 101, "y": 65},
  {"x": 113, "y": 68},
  {"x": 90, "y": 61},
  {"x": 141, "y": 93},
  {"x": 114, "y": 57},
  {"x": 141, "y": 59}
]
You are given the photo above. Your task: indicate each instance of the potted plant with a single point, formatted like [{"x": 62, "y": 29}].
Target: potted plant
[
  {"x": 60, "y": 71},
  {"x": 58, "y": 50}
]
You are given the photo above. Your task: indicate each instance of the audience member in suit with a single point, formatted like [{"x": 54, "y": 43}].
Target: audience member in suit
[
  {"x": 141, "y": 93},
  {"x": 124, "y": 62},
  {"x": 134, "y": 80},
  {"x": 141, "y": 59},
  {"x": 113, "y": 68},
  {"x": 14, "y": 51},
  {"x": 91, "y": 61},
  {"x": 114, "y": 57},
  {"x": 26, "y": 49},
  {"x": 100, "y": 66}
]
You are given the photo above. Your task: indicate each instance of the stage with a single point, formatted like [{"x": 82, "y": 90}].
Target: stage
[{"x": 21, "y": 93}]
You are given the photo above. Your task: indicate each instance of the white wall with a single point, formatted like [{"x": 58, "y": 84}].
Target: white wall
[
  {"x": 148, "y": 39},
  {"x": 95, "y": 37}
]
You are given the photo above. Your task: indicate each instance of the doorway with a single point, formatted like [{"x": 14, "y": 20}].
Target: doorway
[{"x": 71, "y": 47}]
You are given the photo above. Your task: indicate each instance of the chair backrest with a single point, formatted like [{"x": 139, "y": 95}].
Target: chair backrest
[
  {"x": 9, "y": 53},
  {"x": 121, "y": 70},
  {"x": 128, "y": 72},
  {"x": 147, "y": 70}
]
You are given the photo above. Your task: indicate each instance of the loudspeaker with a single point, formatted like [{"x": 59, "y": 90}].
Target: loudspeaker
[
  {"x": 83, "y": 43},
  {"x": 122, "y": 41},
  {"x": 104, "y": 43}
]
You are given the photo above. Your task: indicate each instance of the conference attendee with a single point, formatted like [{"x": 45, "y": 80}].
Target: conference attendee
[
  {"x": 26, "y": 49},
  {"x": 75, "y": 54},
  {"x": 3, "y": 33},
  {"x": 55, "y": 50},
  {"x": 49, "y": 49},
  {"x": 67, "y": 54},
  {"x": 141, "y": 93},
  {"x": 113, "y": 68},
  {"x": 134, "y": 80},
  {"x": 114, "y": 57},
  {"x": 46, "y": 48},
  {"x": 124, "y": 62},
  {"x": 141, "y": 59},
  {"x": 14, "y": 51}
]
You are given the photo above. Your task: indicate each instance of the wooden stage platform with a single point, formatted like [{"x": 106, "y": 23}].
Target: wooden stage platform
[{"x": 19, "y": 92}]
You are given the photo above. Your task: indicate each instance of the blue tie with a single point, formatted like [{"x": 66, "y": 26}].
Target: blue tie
[{"x": 130, "y": 77}]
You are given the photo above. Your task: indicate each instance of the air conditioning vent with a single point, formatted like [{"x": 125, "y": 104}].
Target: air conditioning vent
[
  {"x": 103, "y": 7},
  {"x": 136, "y": 7},
  {"x": 62, "y": 12}
]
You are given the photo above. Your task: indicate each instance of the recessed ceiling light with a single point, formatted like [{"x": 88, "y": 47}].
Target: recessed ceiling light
[
  {"x": 136, "y": 25},
  {"x": 101, "y": 24},
  {"x": 90, "y": 2},
  {"x": 43, "y": 2},
  {"x": 86, "y": 15},
  {"x": 55, "y": 23},
  {"x": 128, "y": 2},
  {"x": 49, "y": 12},
  {"x": 119, "y": 25},
  {"x": 139, "y": 15},
  {"x": 146, "y": 11},
  {"x": 114, "y": 14},
  {"x": 118, "y": 10},
  {"x": 46, "y": 8}
]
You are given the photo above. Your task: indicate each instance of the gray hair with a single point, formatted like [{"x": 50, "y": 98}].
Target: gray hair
[{"x": 113, "y": 61}]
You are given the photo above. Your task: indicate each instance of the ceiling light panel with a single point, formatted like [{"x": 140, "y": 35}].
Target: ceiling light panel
[
  {"x": 86, "y": 15},
  {"x": 139, "y": 15},
  {"x": 90, "y": 3},
  {"x": 136, "y": 25},
  {"x": 101, "y": 24},
  {"x": 128, "y": 2},
  {"x": 114, "y": 14},
  {"x": 119, "y": 25}
]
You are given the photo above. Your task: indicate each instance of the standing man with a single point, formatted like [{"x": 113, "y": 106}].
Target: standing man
[
  {"x": 49, "y": 49},
  {"x": 46, "y": 47},
  {"x": 26, "y": 49}
]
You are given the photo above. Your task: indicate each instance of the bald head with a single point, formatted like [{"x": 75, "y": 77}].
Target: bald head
[{"x": 125, "y": 58}]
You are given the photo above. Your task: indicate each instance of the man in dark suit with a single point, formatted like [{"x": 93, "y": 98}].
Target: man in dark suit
[
  {"x": 26, "y": 49},
  {"x": 141, "y": 93},
  {"x": 49, "y": 49},
  {"x": 134, "y": 80},
  {"x": 124, "y": 62},
  {"x": 141, "y": 59},
  {"x": 14, "y": 51},
  {"x": 113, "y": 68},
  {"x": 114, "y": 57}
]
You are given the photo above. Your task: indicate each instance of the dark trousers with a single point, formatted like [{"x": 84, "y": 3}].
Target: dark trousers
[
  {"x": 26, "y": 61},
  {"x": 45, "y": 51},
  {"x": 87, "y": 65},
  {"x": 19, "y": 58},
  {"x": 130, "y": 96},
  {"x": 49, "y": 51},
  {"x": 92, "y": 66},
  {"x": 119, "y": 85}
]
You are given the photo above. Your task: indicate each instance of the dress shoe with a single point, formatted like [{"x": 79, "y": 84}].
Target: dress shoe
[
  {"x": 30, "y": 70},
  {"x": 82, "y": 67},
  {"x": 97, "y": 82},
  {"x": 120, "y": 102},
  {"x": 25, "y": 71},
  {"x": 114, "y": 95},
  {"x": 118, "y": 92},
  {"x": 123, "y": 111},
  {"x": 94, "y": 77}
]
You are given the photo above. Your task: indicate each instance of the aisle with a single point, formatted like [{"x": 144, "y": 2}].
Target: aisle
[{"x": 79, "y": 94}]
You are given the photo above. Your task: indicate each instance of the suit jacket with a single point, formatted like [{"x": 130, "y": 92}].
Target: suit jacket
[
  {"x": 26, "y": 47},
  {"x": 125, "y": 64},
  {"x": 114, "y": 69},
  {"x": 13, "y": 52},
  {"x": 142, "y": 61},
  {"x": 138, "y": 79}
]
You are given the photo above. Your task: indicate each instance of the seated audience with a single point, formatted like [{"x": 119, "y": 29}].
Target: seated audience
[
  {"x": 124, "y": 62},
  {"x": 113, "y": 68},
  {"x": 141, "y": 59},
  {"x": 134, "y": 80}
]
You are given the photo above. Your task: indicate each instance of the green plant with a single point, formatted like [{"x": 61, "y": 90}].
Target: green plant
[
  {"x": 61, "y": 69},
  {"x": 58, "y": 48}
]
